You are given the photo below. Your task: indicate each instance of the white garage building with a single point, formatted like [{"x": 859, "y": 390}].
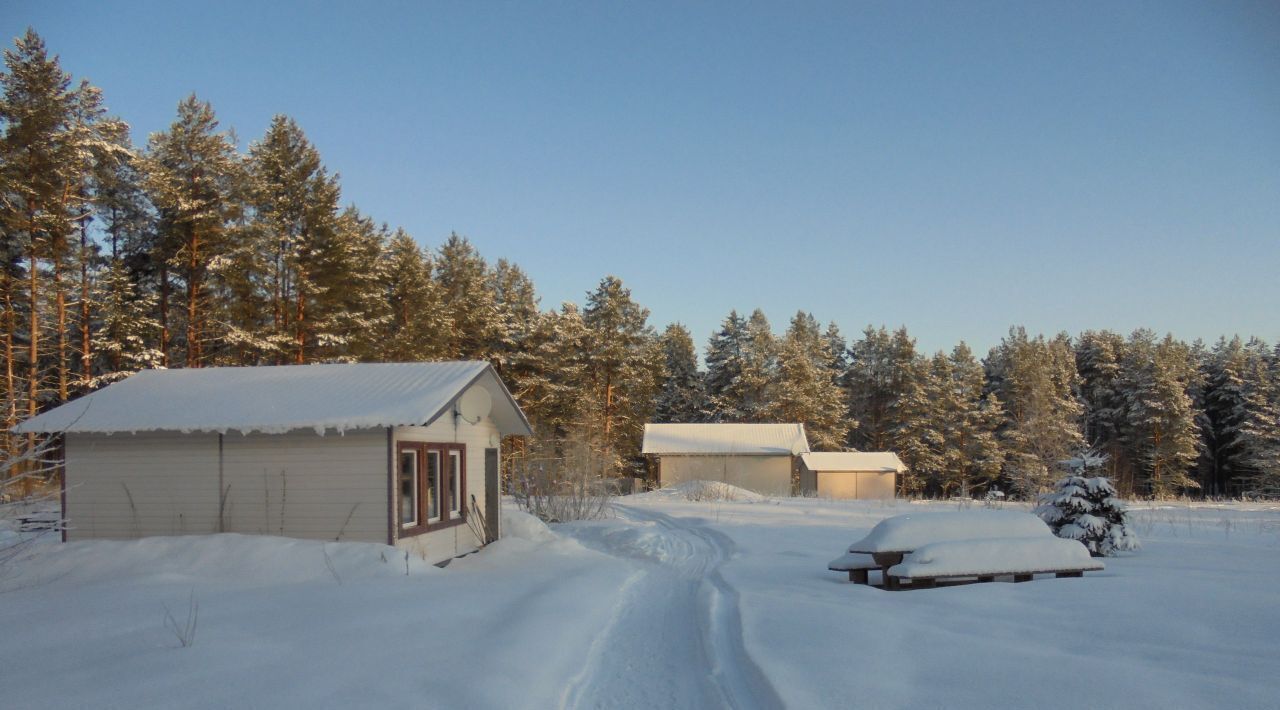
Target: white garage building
[
  {"x": 850, "y": 474},
  {"x": 758, "y": 457}
]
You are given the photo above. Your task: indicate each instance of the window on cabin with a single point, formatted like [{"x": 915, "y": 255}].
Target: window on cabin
[
  {"x": 408, "y": 487},
  {"x": 455, "y": 481},
  {"x": 432, "y": 486}
]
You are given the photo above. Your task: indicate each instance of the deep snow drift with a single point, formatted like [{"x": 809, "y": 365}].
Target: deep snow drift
[{"x": 671, "y": 603}]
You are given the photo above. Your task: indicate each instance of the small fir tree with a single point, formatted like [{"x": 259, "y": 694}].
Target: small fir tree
[{"x": 1086, "y": 508}]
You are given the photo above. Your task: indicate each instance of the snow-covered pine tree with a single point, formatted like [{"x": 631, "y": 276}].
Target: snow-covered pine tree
[
  {"x": 916, "y": 420},
  {"x": 468, "y": 300},
  {"x": 623, "y": 368},
  {"x": 194, "y": 178},
  {"x": 41, "y": 163},
  {"x": 1225, "y": 412},
  {"x": 121, "y": 293},
  {"x": 805, "y": 391},
  {"x": 553, "y": 392},
  {"x": 683, "y": 396},
  {"x": 1259, "y": 432},
  {"x": 295, "y": 210},
  {"x": 415, "y": 316},
  {"x": 349, "y": 291},
  {"x": 103, "y": 144},
  {"x": 1098, "y": 355},
  {"x": 1161, "y": 434},
  {"x": 757, "y": 383},
  {"x": 969, "y": 421},
  {"x": 128, "y": 331},
  {"x": 516, "y": 302},
  {"x": 1086, "y": 508},
  {"x": 880, "y": 365},
  {"x": 724, "y": 368},
  {"x": 1035, "y": 380},
  {"x": 837, "y": 353}
]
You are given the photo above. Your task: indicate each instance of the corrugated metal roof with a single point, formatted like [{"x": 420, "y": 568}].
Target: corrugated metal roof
[
  {"x": 853, "y": 461},
  {"x": 277, "y": 399},
  {"x": 724, "y": 439}
]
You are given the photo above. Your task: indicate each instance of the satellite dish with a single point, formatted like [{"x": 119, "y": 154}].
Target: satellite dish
[{"x": 474, "y": 404}]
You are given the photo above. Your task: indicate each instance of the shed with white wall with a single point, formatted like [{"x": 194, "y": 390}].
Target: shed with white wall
[
  {"x": 865, "y": 475},
  {"x": 375, "y": 452}
]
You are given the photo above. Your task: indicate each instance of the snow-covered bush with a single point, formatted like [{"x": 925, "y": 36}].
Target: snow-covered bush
[{"x": 1086, "y": 508}]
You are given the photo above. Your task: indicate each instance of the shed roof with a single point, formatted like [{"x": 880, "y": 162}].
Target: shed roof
[
  {"x": 276, "y": 399},
  {"x": 744, "y": 439},
  {"x": 883, "y": 461}
]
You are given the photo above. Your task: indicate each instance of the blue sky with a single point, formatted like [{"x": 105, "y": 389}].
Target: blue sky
[{"x": 954, "y": 167}]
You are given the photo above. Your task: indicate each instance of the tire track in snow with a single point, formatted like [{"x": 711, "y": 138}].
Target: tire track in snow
[{"x": 675, "y": 639}]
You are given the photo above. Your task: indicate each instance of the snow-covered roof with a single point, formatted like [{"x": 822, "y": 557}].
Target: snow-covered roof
[
  {"x": 277, "y": 399},
  {"x": 744, "y": 439},
  {"x": 881, "y": 461}
]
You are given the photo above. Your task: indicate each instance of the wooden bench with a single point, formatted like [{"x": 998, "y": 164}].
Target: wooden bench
[
  {"x": 35, "y": 522},
  {"x": 984, "y": 560},
  {"x": 857, "y": 565},
  {"x": 930, "y": 582}
]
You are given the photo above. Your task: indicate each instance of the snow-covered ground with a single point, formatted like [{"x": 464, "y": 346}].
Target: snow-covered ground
[{"x": 673, "y": 603}]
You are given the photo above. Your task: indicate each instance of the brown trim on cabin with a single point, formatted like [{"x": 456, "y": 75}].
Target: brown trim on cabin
[
  {"x": 391, "y": 488},
  {"x": 446, "y": 519}
]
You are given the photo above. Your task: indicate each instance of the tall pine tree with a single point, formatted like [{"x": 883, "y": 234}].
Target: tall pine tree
[{"x": 682, "y": 397}]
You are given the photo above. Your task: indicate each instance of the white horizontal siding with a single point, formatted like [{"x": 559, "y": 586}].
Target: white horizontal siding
[
  {"x": 138, "y": 485},
  {"x": 165, "y": 483},
  {"x": 308, "y": 486},
  {"x": 768, "y": 475}
]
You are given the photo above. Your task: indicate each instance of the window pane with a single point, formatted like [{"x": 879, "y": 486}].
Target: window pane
[
  {"x": 455, "y": 480},
  {"x": 433, "y": 485},
  {"x": 408, "y": 487}
]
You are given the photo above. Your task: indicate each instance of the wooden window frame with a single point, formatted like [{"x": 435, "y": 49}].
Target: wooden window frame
[
  {"x": 417, "y": 485},
  {"x": 447, "y": 518}
]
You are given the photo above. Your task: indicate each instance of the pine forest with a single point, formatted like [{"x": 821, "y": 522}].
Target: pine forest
[{"x": 191, "y": 252}]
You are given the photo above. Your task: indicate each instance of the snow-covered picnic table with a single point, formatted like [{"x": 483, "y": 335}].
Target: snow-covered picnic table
[{"x": 974, "y": 543}]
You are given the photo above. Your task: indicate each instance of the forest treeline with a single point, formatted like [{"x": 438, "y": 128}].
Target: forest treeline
[{"x": 188, "y": 252}]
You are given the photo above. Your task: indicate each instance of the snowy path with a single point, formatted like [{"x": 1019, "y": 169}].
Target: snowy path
[{"x": 675, "y": 638}]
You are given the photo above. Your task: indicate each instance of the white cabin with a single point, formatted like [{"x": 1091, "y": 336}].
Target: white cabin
[{"x": 400, "y": 453}]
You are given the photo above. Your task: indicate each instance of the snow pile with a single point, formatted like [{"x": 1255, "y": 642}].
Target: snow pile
[
  {"x": 995, "y": 556},
  {"x": 710, "y": 491},
  {"x": 519, "y": 525},
  {"x": 914, "y": 530}
]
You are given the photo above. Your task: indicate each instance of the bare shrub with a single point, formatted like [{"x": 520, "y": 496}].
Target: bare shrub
[
  {"x": 27, "y": 494},
  {"x": 559, "y": 489}
]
